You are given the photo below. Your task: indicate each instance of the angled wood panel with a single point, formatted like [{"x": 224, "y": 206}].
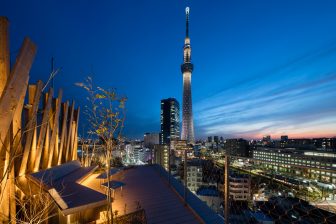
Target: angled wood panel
[
  {"x": 54, "y": 135},
  {"x": 70, "y": 133},
  {"x": 75, "y": 140},
  {"x": 16, "y": 86},
  {"x": 34, "y": 101},
  {"x": 43, "y": 131},
  {"x": 63, "y": 132}
]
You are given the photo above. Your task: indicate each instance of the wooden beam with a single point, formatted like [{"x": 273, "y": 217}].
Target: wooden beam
[
  {"x": 63, "y": 132},
  {"x": 16, "y": 86},
  {"x": 4, "y": 53},
  {"x": 43, "y": 131},
  {"x": 68, "y": 142},
  {"x": 45, "y": 149},
  {"x": 11, "y": 103},
  {"x": 32, "y": 154},
  {"x": 35, "y": 93},
  {"x": 54, "y": 134},
  {"x": 4, "y": 146},
  {"x": 75, "y": 142}
]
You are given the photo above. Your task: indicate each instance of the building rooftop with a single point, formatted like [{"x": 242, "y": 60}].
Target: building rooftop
[
  {"x": 75, "y": 188},
  {"x": 195, "y": 162},
  {"x": 294, "y": 210},
  {"x": 146, "y": 187},
  {"x": 260, "y": 217},
  {"x": 208, "y": 191},
  {"x": 304, "y": 152},
  {"x": 63, "y": 182}
]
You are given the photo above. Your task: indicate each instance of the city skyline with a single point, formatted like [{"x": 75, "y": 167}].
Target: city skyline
[{"x": 262, "y": 68}]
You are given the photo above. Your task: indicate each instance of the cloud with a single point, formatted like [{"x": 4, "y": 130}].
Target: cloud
[{"x": 297, "y": 99}]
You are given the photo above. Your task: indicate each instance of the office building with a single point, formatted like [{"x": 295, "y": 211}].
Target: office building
[{"x": 170, "y": 120}]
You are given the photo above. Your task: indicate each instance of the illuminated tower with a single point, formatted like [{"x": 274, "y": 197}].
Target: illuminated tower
[{"x": 187, "y": 68}]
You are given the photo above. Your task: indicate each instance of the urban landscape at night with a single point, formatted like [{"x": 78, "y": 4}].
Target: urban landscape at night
[{"x": 136, "y": 112}]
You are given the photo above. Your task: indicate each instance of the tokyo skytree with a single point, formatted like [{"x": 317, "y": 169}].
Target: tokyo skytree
[{"x": 187, "y": 68}]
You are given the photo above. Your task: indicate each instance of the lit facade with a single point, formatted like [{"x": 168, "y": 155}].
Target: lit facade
[
  {"x": 170, "y": 120},
  {"x": 151, "y": 139},
  {"x": 311, "y": 164},
  {"x": 240, "y": 187},
  {"x": 187, "y": 69},
  {"x": 194, "y": 175},
  {"x": 161, "y": 156}
]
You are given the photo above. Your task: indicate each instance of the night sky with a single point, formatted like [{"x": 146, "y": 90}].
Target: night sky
[{"x": 261, "y": 67}]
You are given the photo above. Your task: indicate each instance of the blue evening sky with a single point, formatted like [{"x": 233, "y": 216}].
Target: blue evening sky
[{"x": 261, "y": 67}]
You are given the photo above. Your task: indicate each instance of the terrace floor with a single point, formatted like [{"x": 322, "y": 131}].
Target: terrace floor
[{"x": 145, "y": 187}]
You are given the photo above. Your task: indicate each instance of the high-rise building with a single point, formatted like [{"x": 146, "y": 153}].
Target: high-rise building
[
  {"x": 151, "y": 139},
  {"x": 187, "y": 68},
  {"x": 210, "y": 139},
  {"x": 216, "y": 139},
  {"x": 170, "y": 120}
]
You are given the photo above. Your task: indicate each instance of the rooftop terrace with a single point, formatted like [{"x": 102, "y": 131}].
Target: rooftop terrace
[{"x": 147, "y": 187}]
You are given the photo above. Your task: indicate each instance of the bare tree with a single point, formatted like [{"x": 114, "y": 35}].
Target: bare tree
[
  {"x": 36, "y": 206},
  {"x": 106, "y": 116}
]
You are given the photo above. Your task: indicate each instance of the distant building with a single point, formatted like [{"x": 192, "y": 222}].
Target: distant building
[
  {"x": 237, "y": 147},
  {"x": 151, "y": 139},
  {"x": 240, "y": 186},
  {"x": 178, "y": 146},
  {"x": 313, "y": 164},
  {"x": 194, "y": 174},
  {"x": 213, "y": 143},
  {"x": 294, "y": 210},
  {"x": 327, "y": 144},
  {"x": 302, "y": 143},
  {"x": 324, "y": 144},
  {"x": 266, "y": 140},
  {"x": 210, "y": 139},
  {"x": 210, "y": 195},
  {"x": 284, "y": 138},
  {"x": 216, "y": 139},
  {"x": 144, "y": 155},
  {"x": 136, "y": 154},
  {"x": 170, "y": 120},
  {"x": 161, "y": 155},
  {"x": 221, "y": 139}
]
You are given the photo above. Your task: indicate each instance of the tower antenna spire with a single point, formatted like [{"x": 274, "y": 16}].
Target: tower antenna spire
[{"x": 187, "y": 21}]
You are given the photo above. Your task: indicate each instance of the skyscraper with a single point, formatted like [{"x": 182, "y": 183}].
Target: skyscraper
[
  {"x": 187, "y": 68},
  {"x": 170, "y": 120}
]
